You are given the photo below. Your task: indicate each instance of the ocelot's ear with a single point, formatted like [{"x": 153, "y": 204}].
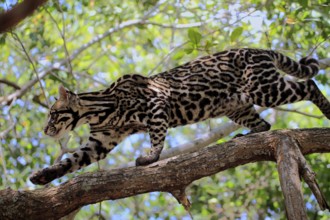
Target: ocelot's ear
[
  {"x": 66, "y": 96},
  {"x": 63, "y": 93}
]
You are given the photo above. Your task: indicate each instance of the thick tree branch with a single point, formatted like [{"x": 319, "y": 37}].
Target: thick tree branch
[
  {"x": 286, "y": 154},
  {"x": 169, "y": 175}
]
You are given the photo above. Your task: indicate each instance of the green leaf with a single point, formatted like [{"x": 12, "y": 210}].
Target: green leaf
[
  {"x": 190, "y": 48},
  {"x": 3, "y": 39},
  {"x": 194, "y": 36},
  {"x": 178, "y": 55},
  {"x": 303, "y": 3},
  {"x": 322, "y": 78},
  {"x": 237, "y": 32}
]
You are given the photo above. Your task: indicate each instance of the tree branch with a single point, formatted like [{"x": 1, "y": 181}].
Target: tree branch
[
  {"x": 170, "y": 175},
  {"x": 299, "y": 112},
  {"x": 288, "y": 168},
  {"x": 5, "y": 100},
  {"x": 9, "y": 83},
  {"x": 216, "y": 134},
  {"x": 19, "y": 12},
  {"x": 324, "y": 63}
]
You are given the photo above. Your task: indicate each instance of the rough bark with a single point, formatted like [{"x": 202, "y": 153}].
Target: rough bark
[
  {"x": 288, "y": 168},
  {"x": 171, "y": 175}
]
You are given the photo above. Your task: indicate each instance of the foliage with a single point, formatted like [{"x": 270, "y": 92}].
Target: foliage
[{"x": 147, "y": 37}]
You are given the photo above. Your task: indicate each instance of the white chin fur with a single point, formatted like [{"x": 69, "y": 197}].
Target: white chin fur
[{"x": 58, "y": 135}]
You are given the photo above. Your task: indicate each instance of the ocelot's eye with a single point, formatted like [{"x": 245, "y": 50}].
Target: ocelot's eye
[{"x": 53, "y": 114}]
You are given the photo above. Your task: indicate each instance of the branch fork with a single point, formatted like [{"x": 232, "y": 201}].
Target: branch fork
[{"x": 292, "y": 165}]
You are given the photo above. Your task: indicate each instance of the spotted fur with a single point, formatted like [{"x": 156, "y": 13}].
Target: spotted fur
[{"x": 227, "y": 83}]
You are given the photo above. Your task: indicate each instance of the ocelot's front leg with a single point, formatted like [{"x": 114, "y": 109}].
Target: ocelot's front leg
[
  {"x": 97, "y": 147},
  {"x": 158, "y": 125}
]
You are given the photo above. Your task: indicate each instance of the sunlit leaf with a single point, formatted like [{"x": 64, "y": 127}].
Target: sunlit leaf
[
  {"x": 236, "y": 33},
  {"x": 194, "y": 36},
  {"x": 178, "y": 55}
]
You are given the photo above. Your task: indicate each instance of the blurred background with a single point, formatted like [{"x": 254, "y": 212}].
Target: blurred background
[{"x": 86, "y": 45}]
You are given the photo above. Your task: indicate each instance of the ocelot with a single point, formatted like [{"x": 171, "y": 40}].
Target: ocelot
[{"x": 227, "y": 83}]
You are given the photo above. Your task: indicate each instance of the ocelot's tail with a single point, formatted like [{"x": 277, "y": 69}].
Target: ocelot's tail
[{"x": 305, "y": 69}]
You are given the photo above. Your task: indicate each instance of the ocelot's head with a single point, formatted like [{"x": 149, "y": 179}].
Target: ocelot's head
[{"x": 63, "y": 115}]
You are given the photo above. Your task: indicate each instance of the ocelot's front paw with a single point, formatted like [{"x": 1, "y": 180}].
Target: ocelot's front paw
[
  {"x": 44, "y": 176},
  {"x": 145, "y": 160}
]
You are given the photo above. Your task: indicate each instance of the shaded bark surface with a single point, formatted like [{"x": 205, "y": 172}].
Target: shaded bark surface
[
  {"x": 288, "y": 168},
  {"x": 169, "y": 175}
]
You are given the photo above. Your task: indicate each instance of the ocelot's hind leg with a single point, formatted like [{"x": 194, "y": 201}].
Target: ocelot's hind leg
[
  {"x": 158, "y": 125},
  {"x": 319, "y": 99},
  {"x": 285, "y": 91},
  {"x": 249, "y": 117}
]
